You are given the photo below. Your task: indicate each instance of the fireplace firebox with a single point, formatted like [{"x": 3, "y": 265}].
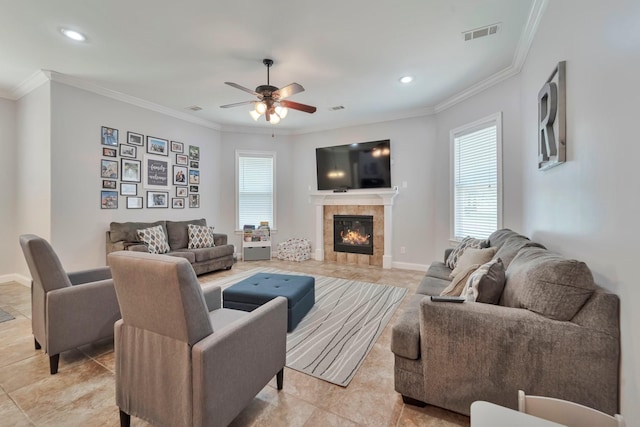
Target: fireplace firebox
[{"x": 353, "y": 233}]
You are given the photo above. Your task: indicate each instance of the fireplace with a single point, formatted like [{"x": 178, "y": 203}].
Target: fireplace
[{"x": 353, "y": 234}]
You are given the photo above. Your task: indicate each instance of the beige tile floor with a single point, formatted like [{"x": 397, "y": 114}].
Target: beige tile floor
[{"x": 82, "y": 393}]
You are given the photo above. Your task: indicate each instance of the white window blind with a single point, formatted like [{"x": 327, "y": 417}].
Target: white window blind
[
  {"x": 476, "y": 180},
  {"x": 255, "y": 188}
]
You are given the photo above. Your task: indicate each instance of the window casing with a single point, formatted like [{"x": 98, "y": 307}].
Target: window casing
[
  {"x": 255, "y": 188},
  {"x": 476, "y": 178}
]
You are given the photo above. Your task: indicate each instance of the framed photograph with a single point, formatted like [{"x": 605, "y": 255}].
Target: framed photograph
[
  {"x": 194, "y": 200},
  {"x": 181, "y": 192},
  {"x": 182, "y": 159},
  {"x": 130, "y": 170},
  {"x": 109, "y": 169},
  {"x": 135, "y": 139},
  {"x": 109, "y": 152},
  {"x": 194, "y": 176},
  {"x": 111, "y": 185},
  {"x": 193, "y": 189},
  {"x": 177, "y": 203},
  {"x": 194, "y": 164},
  {"x": 109, "y": 199},
  {"x": 128, "y": 151},
  {"x": 177, "y": 147},
  {"x": 109, "y": 136},
  {"x": 157, "y": 146},
  {"x": 128, "y": 189},
  {"x": 157, "y": 199},
  {"x": 156, "y": 173},
  {"x": 179, "y": 175},
  {"x": 134, "y": 202},
  {"x": 194, "y": 152}
]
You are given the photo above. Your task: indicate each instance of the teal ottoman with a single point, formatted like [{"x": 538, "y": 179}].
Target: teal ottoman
[{"x": 251, "y": 293}]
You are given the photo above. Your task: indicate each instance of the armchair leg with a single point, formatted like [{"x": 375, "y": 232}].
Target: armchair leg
[
  {"x": 125, "y": 419},
  {"x": 53, "y": 363},
  {"x": 37, "y": 344},
  {"x": 280, "y": 378}
]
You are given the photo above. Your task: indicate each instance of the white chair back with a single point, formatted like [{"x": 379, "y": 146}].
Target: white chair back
[{"x": 564, "y": 412}]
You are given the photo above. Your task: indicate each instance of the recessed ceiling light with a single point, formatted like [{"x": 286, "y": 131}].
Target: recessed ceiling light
[
  {"x": 73, "y": 35},
  {"x": 406, "y": 79}
]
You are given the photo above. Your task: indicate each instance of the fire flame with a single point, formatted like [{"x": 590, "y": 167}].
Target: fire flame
[{"x": 354, "y": 238}]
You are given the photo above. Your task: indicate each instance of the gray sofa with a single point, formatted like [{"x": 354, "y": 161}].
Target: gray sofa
[
  {"x": 554, "y": 333},
  {"x": 122, "y": 236}
]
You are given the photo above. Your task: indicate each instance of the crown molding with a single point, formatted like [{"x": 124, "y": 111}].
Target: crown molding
[
  {"x": 522, "y": 50},
  {"x": 30, "y": 84}
]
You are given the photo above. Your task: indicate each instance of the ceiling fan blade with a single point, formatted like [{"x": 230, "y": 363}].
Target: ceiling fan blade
[
  {"x": 298, "y": 106},
  {"x": 237, "y": 86},
  {"x": 237, "y": 104},
  {"x": 287, "y": 91}
]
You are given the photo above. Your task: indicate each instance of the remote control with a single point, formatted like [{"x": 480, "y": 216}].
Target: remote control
[{"x": 439, "y": 298}]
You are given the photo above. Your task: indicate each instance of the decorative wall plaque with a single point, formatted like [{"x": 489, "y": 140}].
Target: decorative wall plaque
[{"x": 552, "y": 116}]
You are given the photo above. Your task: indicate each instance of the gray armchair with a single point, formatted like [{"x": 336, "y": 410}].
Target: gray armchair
[
  {"x": 67, "y": 309},
  {"x": 181, "y": 359}
]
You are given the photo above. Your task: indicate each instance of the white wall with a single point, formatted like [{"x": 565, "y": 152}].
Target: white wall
[
  {"x": 588, "y": 208},
  {"x": 285, "y": 181},
  {"x": 414, "y": 161},
  {"x": 8, "y": 171}
]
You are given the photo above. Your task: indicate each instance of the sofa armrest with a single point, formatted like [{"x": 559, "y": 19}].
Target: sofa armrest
[
  {"x": 219, "y": 239},
  {"x": 212, "y": 296},
  {"x": 475, "y": 351},
  {"x": 239, "y": 359},
  {"x": 447, "y": 252},
  {"x": 91, "y": 275}
]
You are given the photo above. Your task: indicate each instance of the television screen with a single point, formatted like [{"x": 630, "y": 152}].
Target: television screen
[{"x": 352, "y": 166}]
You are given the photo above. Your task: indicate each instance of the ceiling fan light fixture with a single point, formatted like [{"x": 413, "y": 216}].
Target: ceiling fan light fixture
[
  {"x": 282, "y": 111},
  {"x": 275, "y": 119},
  {"x": 260, "y": 107},
  {"x": 254, "y": 115}
]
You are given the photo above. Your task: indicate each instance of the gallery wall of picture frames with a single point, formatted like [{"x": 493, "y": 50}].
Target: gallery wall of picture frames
[{"x": 148, "y": 172}]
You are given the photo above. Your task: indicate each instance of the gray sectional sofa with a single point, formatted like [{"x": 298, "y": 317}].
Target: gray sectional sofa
[
  {"x": 123, "y": 236},
  {"x": 553, "y": 333}
]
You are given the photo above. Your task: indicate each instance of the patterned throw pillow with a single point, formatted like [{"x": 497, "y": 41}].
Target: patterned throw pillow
[
  {"x": 155, "y": 239},
  {"x": 200, "y": 236},
  {"x": 459, "y": 282},
  {"x": 467, "y": 242},
  {"x": 486, "y": 283}
]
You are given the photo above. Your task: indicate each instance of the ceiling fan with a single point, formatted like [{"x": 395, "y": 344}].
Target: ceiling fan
[{"x": 271, "y": 100}]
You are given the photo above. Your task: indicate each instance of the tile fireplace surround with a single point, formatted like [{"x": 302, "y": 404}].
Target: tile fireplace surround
[{"x": 376, "y": 202}]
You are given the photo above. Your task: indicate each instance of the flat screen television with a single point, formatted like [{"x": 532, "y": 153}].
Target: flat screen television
[{"x": 353, "y": 166}]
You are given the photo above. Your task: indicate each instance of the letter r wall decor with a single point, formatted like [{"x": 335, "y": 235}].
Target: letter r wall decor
[{"x": 552, "y": 114}]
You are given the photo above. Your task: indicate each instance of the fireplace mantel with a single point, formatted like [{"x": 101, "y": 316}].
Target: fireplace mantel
[{"x": 382, "y": 197}]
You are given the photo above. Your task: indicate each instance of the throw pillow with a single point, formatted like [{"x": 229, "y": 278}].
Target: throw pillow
[
  {"x": 457, "y": 284},
  {"x": 200, "y": 236},
  {"x": 486, "y": 283},
  {"x": 467, "y": 242},
  {"x": 155, "y": 239},
  {"x": 473, "y": 256}
]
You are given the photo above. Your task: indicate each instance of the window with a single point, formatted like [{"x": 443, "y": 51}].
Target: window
[
  {"x": 255, "y": 188},
  {"x": 476, "y": 178}
]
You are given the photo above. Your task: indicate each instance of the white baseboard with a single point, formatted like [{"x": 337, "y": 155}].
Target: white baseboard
[
  {"x": 410, "y": 266},
  {"x": 18, "y": 278}
]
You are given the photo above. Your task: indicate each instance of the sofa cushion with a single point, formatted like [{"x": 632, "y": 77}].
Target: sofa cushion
[
  {"x": 439, "y": 270},
  {"x": 511, "y": 246},
  {"x": 547, "y": 284},
  {"x": 467, "y": 242},
  {"x": 206, "y": 254},
  {"x": 472, "y": 256},
  {"x": 155, "y": 239},
  {"x": 405, "y": 334},
  {"x": 459, "y": 281},
  {"x": 432, "y": 285},
  {"x": 179, "y": 234},
  {"x": 128, "y": 231},
  {"x": 486, "y": 283},
  {"x": 200, "y": 236},
  {"x": 184, "y": 253},
  {"x": 498, "y": 237}
]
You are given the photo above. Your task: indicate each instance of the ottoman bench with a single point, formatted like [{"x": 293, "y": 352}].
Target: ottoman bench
[{"x": 251, "y": 293}]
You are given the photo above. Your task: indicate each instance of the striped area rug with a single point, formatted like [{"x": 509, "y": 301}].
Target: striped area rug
[{"x": 334, "y": 338}]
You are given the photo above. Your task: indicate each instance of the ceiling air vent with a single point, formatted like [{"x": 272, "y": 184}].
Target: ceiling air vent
[
  {"x": 481, "y": 32},
  {"x": 194, "y": 108},
  {"x": 336, "y": 108}
]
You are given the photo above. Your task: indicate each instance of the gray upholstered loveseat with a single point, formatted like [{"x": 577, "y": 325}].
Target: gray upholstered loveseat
[
  {"x": 553, "y": 333},
  {"x": 123, "y": 236}
]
